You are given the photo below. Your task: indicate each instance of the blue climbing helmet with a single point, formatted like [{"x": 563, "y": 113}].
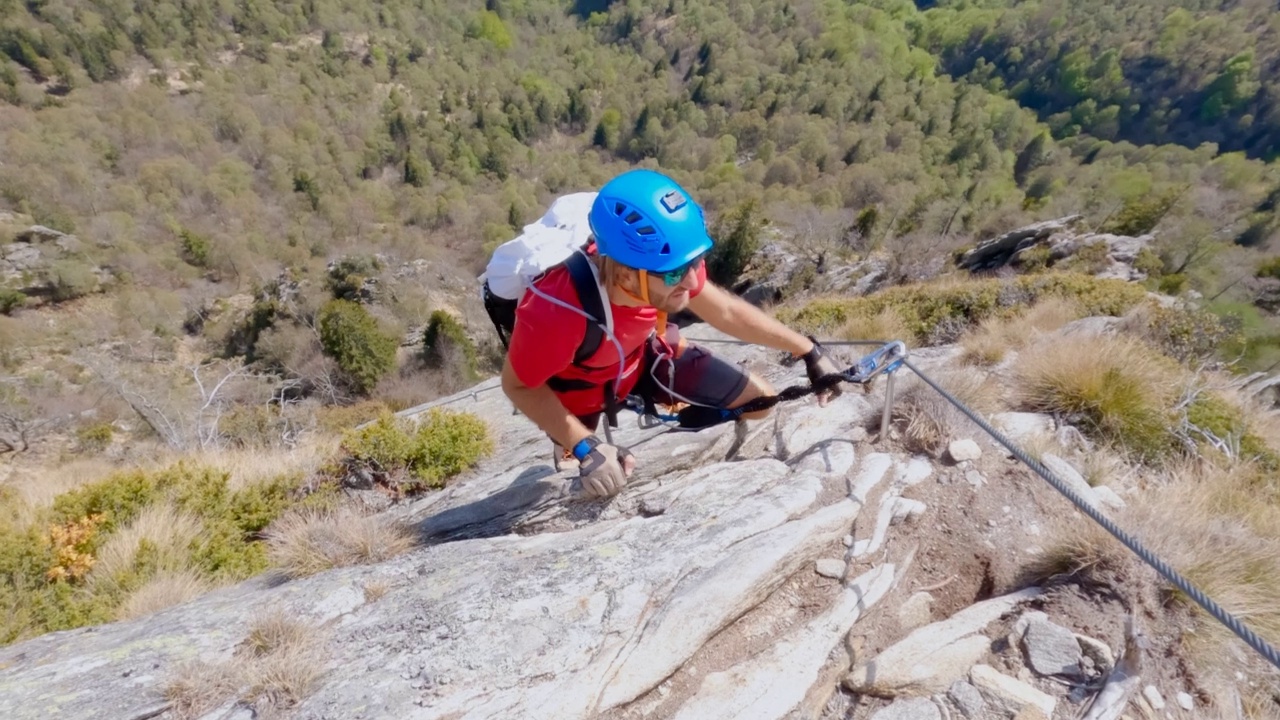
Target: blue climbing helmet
[{"x": 644, "y": 220}]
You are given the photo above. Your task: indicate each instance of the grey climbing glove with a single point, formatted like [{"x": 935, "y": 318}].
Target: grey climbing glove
[
  {"x": 603, "y": 468},
  {"x": 823, "y": 374}
]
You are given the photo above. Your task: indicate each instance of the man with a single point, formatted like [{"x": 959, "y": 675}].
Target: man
[{"x": 650, "y": 241}]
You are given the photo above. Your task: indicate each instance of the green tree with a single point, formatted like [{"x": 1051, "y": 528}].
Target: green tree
[
  {"x": 737, "y": 239},
  {"x": 351, "y": 336}
]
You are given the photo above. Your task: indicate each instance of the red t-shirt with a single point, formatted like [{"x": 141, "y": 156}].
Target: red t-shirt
[{"x": 547, "y": 336}]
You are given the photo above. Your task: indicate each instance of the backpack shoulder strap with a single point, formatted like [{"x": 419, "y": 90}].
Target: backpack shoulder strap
[{"x": 591, "y": 295}]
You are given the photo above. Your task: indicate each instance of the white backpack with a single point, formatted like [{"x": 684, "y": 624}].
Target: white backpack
[
  {"x": 543, "y": 245},
  {"x": 557, "y": 238}
]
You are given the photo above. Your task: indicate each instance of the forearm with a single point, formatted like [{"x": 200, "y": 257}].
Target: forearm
[
  {"x": 541, "y": 406},
  {"x": 737, "y": 317}
]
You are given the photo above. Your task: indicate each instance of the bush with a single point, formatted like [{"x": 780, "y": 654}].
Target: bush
[
  {"x": 1090, "y": 259},
  {"x": 339, "y": 418},
  {"x": 443, "y": 444},
  {"x": 1186, "y": 334},
  {"x": 71, "y": 279},
  {"x": 1174, "y": 284},
  {"x": 445, "y": 340},
  {"x": 348, "y": 277},
  {"x": 1141, "y": 215},
  {"x": 10, "y": 300},
  {"x": 195, "y": 248},
  {"x": 95, "y": 437},
  {"x": 1148, "y": 261},
  {"x": 737, "y": 239},
  {"x": 351, "y": 336},
  {"x": 1214, "y": 419},
  {"x": 1269, "y": 268}
]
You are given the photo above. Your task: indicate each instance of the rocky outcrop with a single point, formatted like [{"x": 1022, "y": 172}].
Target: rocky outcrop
[
  {"x": 47, "y": 264},
  {"x": 1051, "y": 242}
]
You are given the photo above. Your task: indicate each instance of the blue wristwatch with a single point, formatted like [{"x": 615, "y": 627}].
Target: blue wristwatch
[{"x": 585, "y": 446}]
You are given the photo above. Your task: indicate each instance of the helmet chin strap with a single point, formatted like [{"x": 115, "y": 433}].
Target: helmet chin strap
[
  {"x": 643, "y": 297},
  {"x": 660, "y": 324}
]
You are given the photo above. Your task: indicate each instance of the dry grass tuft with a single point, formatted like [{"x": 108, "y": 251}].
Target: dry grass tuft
[
  {"x": 284, "y": 678},
  {"x": 163, "y": 591},
  {"x": 885, "y": 325},
  {"x": 928, "y": 422},
  {"x": 197, "y": 687},
  {"x": 1104, "y": 466},
  {"x": 275, "y": 630},
  {"x": 168, "y": 532},
  {"x": 254, "y": 466},
  {"x": 375, "y": 590},
  {"x": 992, "y": 340},
  {"x": 307, "y": 542},
  {"x": 1117, "y": 389},
  {"x": 1218, "y": 526},
  {"x": 279, "y": 664},
  {"x": 36, "y": 487}
]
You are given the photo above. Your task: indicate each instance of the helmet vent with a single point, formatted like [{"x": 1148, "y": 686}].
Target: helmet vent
[
  {"x": 646, "y": 230},
  {"x": 633, "y": 218},
  {"x": 666, "y": 249},
  {"x": 619, "y": 208}
]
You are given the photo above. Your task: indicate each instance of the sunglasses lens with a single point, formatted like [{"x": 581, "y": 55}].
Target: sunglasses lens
[{"x": 674, "y": 277}]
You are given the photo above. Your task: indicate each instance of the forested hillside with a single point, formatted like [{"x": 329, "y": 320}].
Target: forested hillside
[
  {"x": 201, "y": 149},
  {"x": 1150, "y": 71}
]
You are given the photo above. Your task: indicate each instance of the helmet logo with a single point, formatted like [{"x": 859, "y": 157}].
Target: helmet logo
[{"x": 673, "y": 201}]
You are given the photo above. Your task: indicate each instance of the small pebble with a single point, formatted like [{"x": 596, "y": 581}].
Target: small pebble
[{"x": 1185, "y": 701}]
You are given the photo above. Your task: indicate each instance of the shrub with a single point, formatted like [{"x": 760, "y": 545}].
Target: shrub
[
  {"x": 95, "y": 437},
  {"x": 1090, "y": 259},
  {"x": 338, "y": 418},
  {"x": 1148, "y": 261},
  {"x": 1173, "y": 284},
  {"x": 1216, "y": 423},
  {"x": 1034, "y": 259},
  {"x": 1185, "y": 333},
  {"x": 195, "y": 248},
  {"x": 71, "y": 279},
  {"x": 443, "y": 444},
  {"x": 348, "y": 276},
  {"x": 1141, "y": 215},
  {"x": 445, "y": 340},
  {"x": 351, "y": 336},
  {"x": 11, "y": 300},
  {"x": 737, "y": 239},
  {"x": 253, "y": 426},
  {"x": 1269, "y": 268}
]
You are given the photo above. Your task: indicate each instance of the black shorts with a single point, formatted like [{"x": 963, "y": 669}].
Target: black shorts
[{"x": 695, "y": 376}]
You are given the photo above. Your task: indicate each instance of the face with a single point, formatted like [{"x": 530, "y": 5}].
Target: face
[{"x": 669, "y": 292}]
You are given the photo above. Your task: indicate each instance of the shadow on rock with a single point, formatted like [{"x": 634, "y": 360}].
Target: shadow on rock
[{"x": 495, "y": 515}]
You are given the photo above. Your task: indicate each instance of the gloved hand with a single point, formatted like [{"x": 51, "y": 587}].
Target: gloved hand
[
  {"x": 823, "y": 373},
  {"x": 605, "y": 469}
]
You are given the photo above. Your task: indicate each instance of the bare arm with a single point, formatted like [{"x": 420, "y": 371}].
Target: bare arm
[
  {"x": 541, "y": 405},
  {"x": 734, "y": 316}
]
